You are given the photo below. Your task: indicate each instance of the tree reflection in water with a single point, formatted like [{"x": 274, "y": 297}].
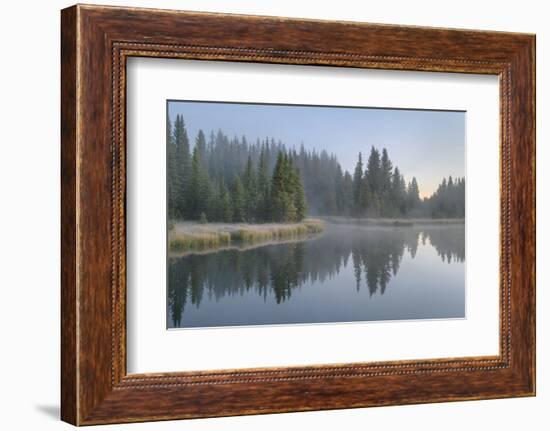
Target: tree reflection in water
[{"x": 278, "y": 269}]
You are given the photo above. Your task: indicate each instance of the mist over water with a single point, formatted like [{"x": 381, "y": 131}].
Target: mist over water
[{"x": 350, "y": 273}]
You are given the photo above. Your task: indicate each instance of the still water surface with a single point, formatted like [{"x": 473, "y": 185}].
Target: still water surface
[{"x": 349, "y": 273}]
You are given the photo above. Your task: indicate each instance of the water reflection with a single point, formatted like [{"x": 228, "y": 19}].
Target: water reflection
[{"x": 273, "y": 272}]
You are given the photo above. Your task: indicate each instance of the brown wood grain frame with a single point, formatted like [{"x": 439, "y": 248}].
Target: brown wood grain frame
[{"x": 96, "y": 41}]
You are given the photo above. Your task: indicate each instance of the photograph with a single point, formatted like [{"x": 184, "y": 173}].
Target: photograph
[{"x": 298, "y": 214}]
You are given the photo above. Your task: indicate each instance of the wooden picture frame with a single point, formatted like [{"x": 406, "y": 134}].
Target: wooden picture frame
[{"x": 95, "y": 43}]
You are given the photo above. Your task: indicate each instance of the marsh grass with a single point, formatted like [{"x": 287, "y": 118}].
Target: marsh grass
[
  {"x": 188, "y": 236},
  {"x": 200, "y": 241}
]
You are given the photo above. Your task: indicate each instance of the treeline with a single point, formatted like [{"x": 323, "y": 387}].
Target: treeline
[
  {"x": 448, "y": 200},
  {"x": 379, "y": 189},
  {"x": 233, "y": 180}
]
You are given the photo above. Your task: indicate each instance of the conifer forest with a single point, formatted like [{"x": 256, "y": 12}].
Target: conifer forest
[{"x": 217, "y": 178}]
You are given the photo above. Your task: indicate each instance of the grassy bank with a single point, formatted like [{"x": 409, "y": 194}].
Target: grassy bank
[
  {"x": 395, "y": 222},
  {"x": 192, "y": 236}
]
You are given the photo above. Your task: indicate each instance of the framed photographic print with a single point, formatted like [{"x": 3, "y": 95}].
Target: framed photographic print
[{"x": 265, "y": 215}]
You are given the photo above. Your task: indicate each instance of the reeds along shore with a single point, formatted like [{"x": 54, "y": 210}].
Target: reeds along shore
[{"x": 190, "y": 236}]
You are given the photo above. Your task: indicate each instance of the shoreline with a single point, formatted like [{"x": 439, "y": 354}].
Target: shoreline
[
  {"x": 174, "y": 254},
  {"x": 191, "y": 237},
  {"x": 391, "y": 222},
  {"x": 196, "y": 237}
]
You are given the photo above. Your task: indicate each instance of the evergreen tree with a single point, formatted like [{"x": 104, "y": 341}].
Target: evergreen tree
[
  {"x": 263, "y": 191},
  {"x": 200, "y": 190},
  {"x": 238, "y": 201},
  {"x": 286, "y": 191},
  {"x": 373, "y": 173},
  {"x": 193, "y": 193},
  {"x": 347, "y": 194},
  {"x": 386, "y": 171},
  {"x": 299, "y": 195},
  {"x": 200, "y": 145},
  {"x": 413, "y": 195},
  {"x": 251, "y": 192},
  {"x": 226, "y": 209},
  {"x": 344, "y": 192},
  {"x": 358, "y": 186},
  {"x": 280, "y": 199},
  {"x": 183, "y": 164},
  {"x": 398, "y": 193},
  {"x": 373, "y": 182},
  {"x": 368, "y": 197},
  {"x": 386, "y": 174},
  {"x": 172, "y": 167}
]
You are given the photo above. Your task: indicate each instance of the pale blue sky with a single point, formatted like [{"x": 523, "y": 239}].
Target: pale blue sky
[{"x": 429, "y": 145}]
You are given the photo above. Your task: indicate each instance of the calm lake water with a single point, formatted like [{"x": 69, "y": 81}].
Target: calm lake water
[{"x": 349, "y": 273}]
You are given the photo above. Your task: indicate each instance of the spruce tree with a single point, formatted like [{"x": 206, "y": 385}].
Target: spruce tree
[
  {"x": 386, "y": 173},
  {"x": 226, "y": 213},
  {"x": 358, "y": 186},
  {"x": 347, "y": 195},
  {"x": 282, "y": 197},
  {"x": 200, "y": 145},
  {"x": 290, "y": 189},
  {"x": 171, "y": 180},
  {"x": 373, "y": 171},
  {"x": 373, "y": 180},
  {"x": 200, "y": 190},
  {"x": 193, "y": 193},
  {"x": 238, "y": 200},
  {"x": 182, "y": 177},
  {"x": 367, "y": 197},
  {"x": 279, "y": 198},
  {"x": 263, "y": 199},
  {"x": 342, "y": 197},
  {"x": 398, "y": 192},
  {"x": 413, "y": 194},
  {"x": 299, "y": 195},
  {"x": 250, "y": 187},
  {"x": 386, "y": 170}
]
